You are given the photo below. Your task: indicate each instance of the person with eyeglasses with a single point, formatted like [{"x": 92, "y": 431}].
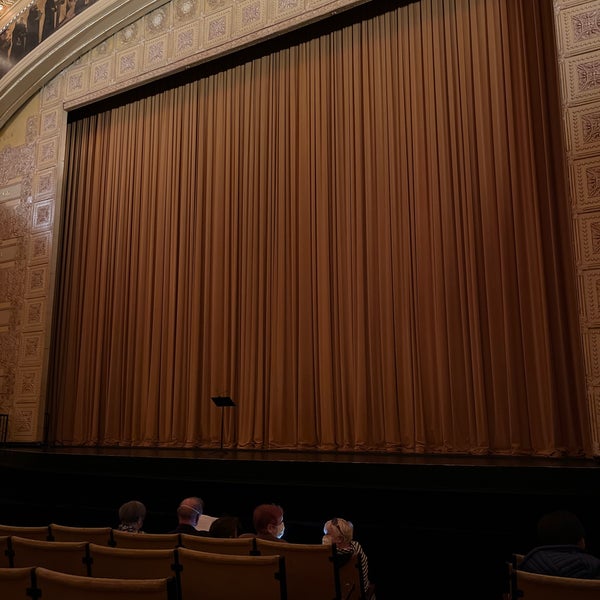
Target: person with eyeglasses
[
  {"x": 341, "y": 533},
  {"x": 189, "y": 512}
]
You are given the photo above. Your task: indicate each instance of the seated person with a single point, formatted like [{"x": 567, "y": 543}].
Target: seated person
[
  {"x": 188, "y": 514},
  {"x": 562, "y": 549},
  {"x": 341, "y": 533},
  {"x": 225, "y": 527},
  {"x": 131, "y": 517},
  {"x": 268, "y": 523}
]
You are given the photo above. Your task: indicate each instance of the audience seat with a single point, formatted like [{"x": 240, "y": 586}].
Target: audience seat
[
  {"x": 15, "y": 583},
  {"x": 96, "y": 535},
  {"x": 53, "y": 585},
  {"x": 310, "y": 567},
  {"x": 131, "y": 563},
  {"x": 533, "y": 586},
  {"x": 230, "y": 577},
  {"x": 156, "y": 541},
  {"x": 239, "y": 546},
  {"x": 351, "y": 578},
  {"x": 5, "y": 552},
  {"x": 33, "y": 533},
  {"x": 67, "y": 557}
]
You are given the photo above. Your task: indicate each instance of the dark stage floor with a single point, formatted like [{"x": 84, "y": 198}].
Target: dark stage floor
[{"x": 423, "y": 520}]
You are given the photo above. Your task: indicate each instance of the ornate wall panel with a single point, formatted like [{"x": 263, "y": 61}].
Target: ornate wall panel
[{"x": 578, "y": 43}]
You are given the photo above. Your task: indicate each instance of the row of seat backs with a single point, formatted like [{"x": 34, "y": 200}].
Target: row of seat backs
[
  {"x": 311, "y": 567},
  {"x": 196, "y": 574},
  {"x": 104, "y": 536},
  {"x": 39, "y": 583},
  {"x": 535, "y": 586}
]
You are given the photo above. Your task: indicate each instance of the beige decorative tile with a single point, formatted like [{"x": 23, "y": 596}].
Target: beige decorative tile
[
  {"x": 129, "y": 36},
  {"x": 588, "y": 236},
  {"x": 213, "y": 6},
  {"x": 591, "y": 348},
  {"x": 34, "y": 314},
  {"x": 28, "y": 383},
  {"x": 31, "y": 349},
  {"x": 185, "y": 11},
  {"x": 579, "y": 28},
  {"x": 249, "y": 15},
  {"x": 47, "y": 151},
  {"x": 101, "y": 73},
  {"x": 217, "y": 28},
  {"x": 43, "y": 213},
  {"x": 582, "y": 77},
  {"x": 156, "y": 52},
  {"x": 40, "y": 247},
  {"x": 22, "y": 422},
  {"x": 45, "y": 182},
  {"x": 157, "y": 22},
  {"x": 586, "y": 184},
  {"x": 77, "y": 82},
  {"x": 37, "y": 281},
  {"x": 284, "y": 9},
  {"x": 584, "y": 129},
  {"x": 50, "y": 121},
  {"x": 591, "y": 297},
  {"x": 128, "y": 63},
  {"x": 186, "y": 40},
  {"x": 52, "y": 92},
  {"x": 102, "y": 50}
]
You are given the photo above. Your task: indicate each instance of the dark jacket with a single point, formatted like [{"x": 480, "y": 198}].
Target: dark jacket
[{"x": 561, "y": 561}]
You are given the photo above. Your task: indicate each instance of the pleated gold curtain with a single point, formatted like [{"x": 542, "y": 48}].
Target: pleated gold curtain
[{"x": 364, "y": 239}]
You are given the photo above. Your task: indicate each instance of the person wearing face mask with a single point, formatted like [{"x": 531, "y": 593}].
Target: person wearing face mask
[{"x": 268, "y": 523}]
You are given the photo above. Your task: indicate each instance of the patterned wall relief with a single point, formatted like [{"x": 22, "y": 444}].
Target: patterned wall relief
[
  {"x": 16, "y": 210},
  {"x": 578, "y": 44}
]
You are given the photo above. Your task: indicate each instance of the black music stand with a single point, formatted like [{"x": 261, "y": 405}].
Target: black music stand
[{"x": 222, "y": 402}]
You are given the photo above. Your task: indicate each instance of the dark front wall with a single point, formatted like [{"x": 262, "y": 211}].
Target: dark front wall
[{"x": 421, "y": 520}]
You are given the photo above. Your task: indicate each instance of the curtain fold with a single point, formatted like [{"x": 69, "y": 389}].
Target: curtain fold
[{"x": 362, "y": 238}]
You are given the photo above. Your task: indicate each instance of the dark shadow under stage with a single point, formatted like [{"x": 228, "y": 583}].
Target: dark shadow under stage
[{"x": 445, "y": 524}]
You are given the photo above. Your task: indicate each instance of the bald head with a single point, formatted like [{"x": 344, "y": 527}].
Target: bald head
[{"x": 190, "y": 510}]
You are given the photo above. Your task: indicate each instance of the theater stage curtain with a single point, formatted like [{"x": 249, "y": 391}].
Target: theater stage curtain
[{"x": 362, "y": 238}]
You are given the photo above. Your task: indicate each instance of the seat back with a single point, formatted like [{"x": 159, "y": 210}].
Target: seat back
[
  {"x": 308, "y": 567},
  {"x": 14, "y": 583},
  {"x": 351, "y": 577},
  {"x": 533, "y": 586},
  {"x": 33, "y": 533},
  {"x": 240, "y": 546},
  {"x": 95, "y": 535},
  {"x": 54, "y": 585},
  {"x": 156, "y": 541},
  {"x": 230, "y": 577},
  {"x": 5, "y": 552},
  {"x": 67, "y": 557},
  {"x": 131, "y": 563}
]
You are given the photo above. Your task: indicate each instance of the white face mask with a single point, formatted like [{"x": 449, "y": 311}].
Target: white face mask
[{"x": 280, "y": 531}]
